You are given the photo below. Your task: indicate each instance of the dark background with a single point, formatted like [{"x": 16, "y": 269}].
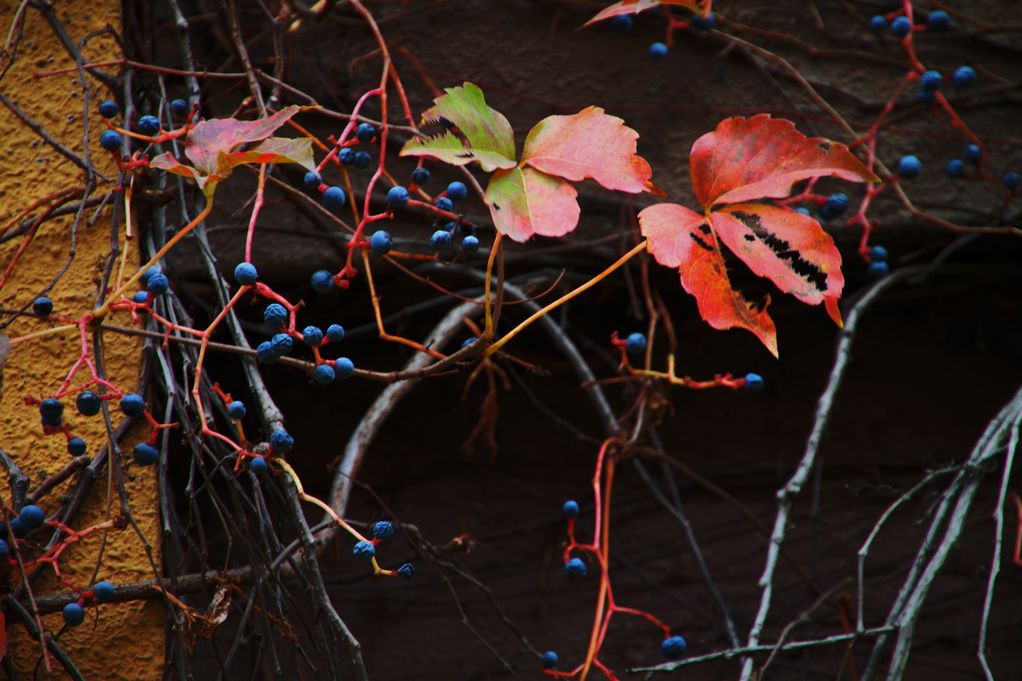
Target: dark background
[{"x": 933, "y": 362}]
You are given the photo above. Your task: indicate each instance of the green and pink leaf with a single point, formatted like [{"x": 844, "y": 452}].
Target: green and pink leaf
[{"x": 524, "y": 202}]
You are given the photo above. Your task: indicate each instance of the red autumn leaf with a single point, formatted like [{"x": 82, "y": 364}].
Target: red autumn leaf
[
  {"x": 636, "y": 6},
  {"x": 207, "y": 140},
  {"x": 589, "y": 144},
  {"x": 524, "y": 202},
  {"x": 762, "y": 157},
  {"x": 681, "y": 238},
  {"x": 788, "y": 248}
]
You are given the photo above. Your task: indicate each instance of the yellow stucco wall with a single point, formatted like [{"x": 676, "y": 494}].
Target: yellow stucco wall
[{"x": 117, "y": 641}]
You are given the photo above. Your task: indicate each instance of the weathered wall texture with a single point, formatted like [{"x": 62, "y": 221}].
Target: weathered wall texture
[{"x": 122, "y": 641}]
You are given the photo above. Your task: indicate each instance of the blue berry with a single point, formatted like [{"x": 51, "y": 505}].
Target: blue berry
[
  {"x": 835, "y": 205},
  {"x": 365, "y": 132},
  {"x": 74, "y": 614},
  {"x": 42, "y": 306},
  {"x": 548, "y": 659},
  {"x": 236, "y": 410},
  {"x": 362, "y": 159},
  {"x": 658, "y": 50},
  {"x": 335, "y": 332},
  {"x": 803, "y": 210},
  {"x": 926, "y": 97},
  {"x": 149, "y": 274},
  {"x": 312, "y": 180},
  {"x": 470, "y": 245},
  {"x": 281, "y": 441},
  {"x": 877, "y": 22},
  {"x": 334, "y": 198},
  {"x": 265, "y": 353},
  {"x": 145, "y": 454},
  {"x": 275, "y": 314},
  {"x": 149, "y": 125},
  {"x": 909, "y": 167},
  {"x": 364, "y": 550},
  {"x": 5, "y": 550},
  {"x": 635, "y": 344},
  {"x": 258, "y": 465},
  {"x": 179, "y": 107},
  {"x": 282, "y": 344},
  {"x": 76, "y": 446},
  {"x": 622, "y": 22},
  {"x": 88, "y": 403},
  {"x": 51, "y": 411},
  {"x": 158, "y": 284},
  {"x": 31, "y": 516},
  {"x": 440, "y": 240},
  {"x": 754, "y": 382},
  {"x": 406, "y": 571},
  {"x": 133, "y": 404},
  {"x": 324, "y": 374},
  {"x": 1010, "y": 180},
  {"x": 575, "y": 569},
  {"x": 704, "y": 24},
  {"x": 322, "y": 281},
  {"x": 878, "y": 269},
  {"x": 420, "y": 176},
  {"x": 901, "y": 26},
  {"x": 18, "y": 528},
  {"x": 444, "y": 203},
  {"x": 346, "y": 156},
  {"x": 312, "y": 336},
  {"x": 140, "y": 297},
  {"x": 954, "y": 168},
  {"x": 381, "y": 242},
  {"x": 457, "y": 191},
  {"x": 570, "y": 509},
  {"x": 673, "y": 647},
  {"x": 103, "y": 591},
  {"x": 383, "y": 530},
  {"x": 246, "y": 274},
  {"x": 397, "y": 196},
  {"x": 110, "y": 140},
  {"x": 939, "y": 20},
  {"x": 965, "y": 76},
  {"x": 931, "y": 80},
  {"x": 344, "y": 368},
  {"x": 973, "y": 153},
  {"x": 878, "y": 254},
  {"x": 468, "y": 341},
  {"x": 108, "y": 108}
]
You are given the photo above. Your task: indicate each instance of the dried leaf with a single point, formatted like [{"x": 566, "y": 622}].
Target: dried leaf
[
  {"x": 681, "y": 238},
  {"x": 484, "y": 134},
  {"x": 636, "y": 6},
  {"x": 762, "y": 157},
  {"x": 589, "y": 144},
  {"x": 524, "y": 201},
  {"x": 273, "y": 150},
  {"x": 786, "y": 247}
]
